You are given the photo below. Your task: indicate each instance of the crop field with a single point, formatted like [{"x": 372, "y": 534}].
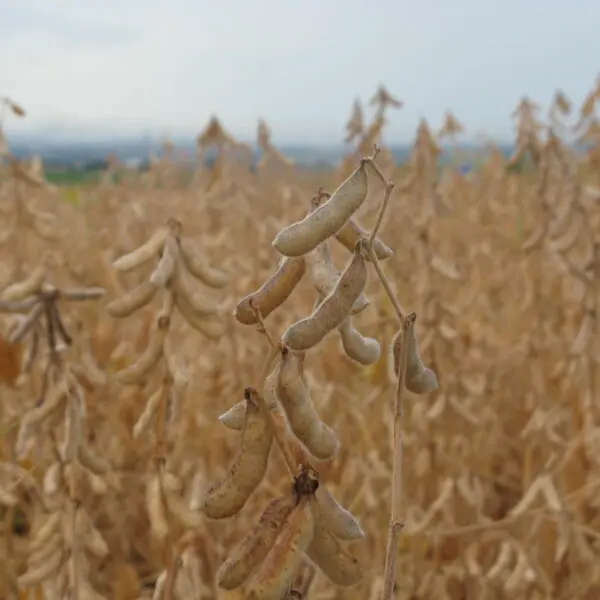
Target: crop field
[{"x": 380, "y": 381}]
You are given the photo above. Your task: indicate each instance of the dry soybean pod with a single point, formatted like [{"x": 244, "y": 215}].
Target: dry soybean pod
[
  {"x": 228, "y": 497},
  {"x": 183, "y": 286},
  {"x": 351, "y": 232},
  {"x": 273, "y": 293},
  {"x": 363, "y": 350},
  {"x": 325, "y": 276},
  {"x": 144, "y": 253},
  {"x": 200, "y": 268},
  {"x": 234, "y": 417},
  {"x": 149, "y": 359},
  {"x": 341, "y": 522},
  {"x": 320, "y": 440},
  {"x": 25, "y": 325},
  {"x": 328, "y": 554},
  {"x": 132, "y": 301},
  {"x": 330, "y": 313},
  {"x": 326, "y": 220},
  {"x": 242, "y": 562},
  {"x": 274, "y": 576},
  {"x": 27, "y": 287},
  {"x": 208, "y": 325},
  {"x": 419, "y": 379},
  {"x": 166, "y": 265}
]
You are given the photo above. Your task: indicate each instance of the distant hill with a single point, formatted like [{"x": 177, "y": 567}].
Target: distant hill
[{"x": 82, "y": 154}]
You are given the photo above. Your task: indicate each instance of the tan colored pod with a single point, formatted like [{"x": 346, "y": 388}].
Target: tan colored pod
[
  {"x": 274, "y": 576},
  {"x": 149, "y": 359},
  {"x": 320, "y": 440},
  {"x": 327, "y": 219},
  {"x": 242, "y": 562},
  {"x": 234, "y": 417},
  {"x": 363, "y": 350},
  {"x": 229, "y": 496},
  {"x": 166, "y": 265},
  {"x": 199, "y": 267},
  {"x": 144, "y": 253},
  {"x": 132, "y": 301},
  {"x": 330, "y": 313},
  {"x": 327, "y": 553},
  {"x": 351, "y": 232},
  {"x": 183, "y": 286},
  {"x": 208, "y": 325},
  {"x": 419, "y": 379},
  {"x": 340, "y": 521},
  {"x": 273, "y": 293},
  {"x": 325, "y": 276},
  {"x": 21, "y": 289}
]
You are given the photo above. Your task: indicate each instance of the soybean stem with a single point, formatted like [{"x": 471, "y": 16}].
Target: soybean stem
[{"x": 396, "y": 524}]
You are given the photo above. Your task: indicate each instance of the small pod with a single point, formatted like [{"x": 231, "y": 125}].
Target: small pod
[
  {"x": 274, "y": 577},
  {"x": 419, "y": 379},
  {"x": 144, "y": 253},
  {"x": 273, "y": 293},
  {"x": 327, "y": 553},
  {"x": 229, "y": 496},
  {"x": 330, "y": 313},
  {"x": 320, "y": 440},
  {"x": 363, "y": 350},
  {"x": 200, "y": 268},
  {"x": 132, "y": 301},
  {"x": 351, "y": 232},
  {"x": 242, "y": 562},
  {"x": 327, "y": 219},
  {"x": 325, "y": 276},
  {"x": 234, "y": 417}
]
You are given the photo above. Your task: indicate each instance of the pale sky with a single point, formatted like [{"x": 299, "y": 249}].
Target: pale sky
[{"x": 107, "y": 67}]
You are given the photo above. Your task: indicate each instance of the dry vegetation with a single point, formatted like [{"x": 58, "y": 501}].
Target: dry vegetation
[{"x": 171, "y": 429}]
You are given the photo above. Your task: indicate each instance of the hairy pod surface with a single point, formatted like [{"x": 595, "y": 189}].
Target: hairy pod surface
[
  {"x": 363, "y": 350},
  {"x": 229, "y": 496},
  {"x": 340, "y": 521},
  {"x": 243, "y": 561},
  {"x": 273, "y": 293},
  {"x": 274, "y": 576},
  {"x": 419, "y": 378},
  {"x": 325, "y": 276},
  {"x": 327, "y": 553},
  {"x": 332, "y": 311},
  {"x": 327, "y": 219},
  {"x": 320, "y": 440}
]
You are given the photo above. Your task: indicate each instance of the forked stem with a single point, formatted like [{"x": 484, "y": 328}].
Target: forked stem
[
  {"x": 396, "y": 523},
  {"x": 389, "y": 188}
]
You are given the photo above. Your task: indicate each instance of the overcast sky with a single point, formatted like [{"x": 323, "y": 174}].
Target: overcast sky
[{"x": 164, "y": 66}]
